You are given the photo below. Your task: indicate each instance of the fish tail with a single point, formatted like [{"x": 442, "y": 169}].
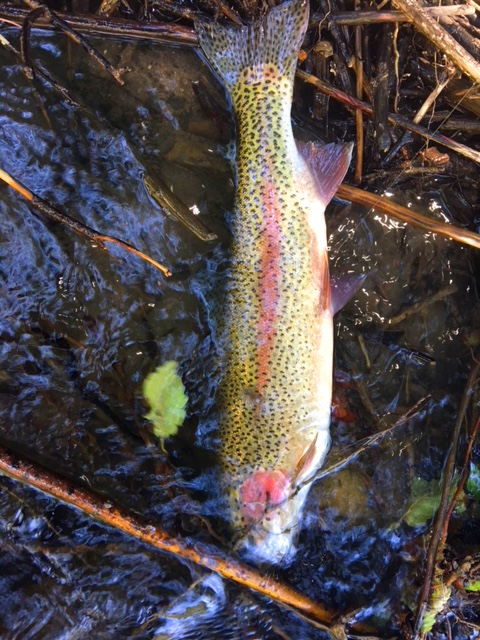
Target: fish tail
[{"x": 250, "y": 54}]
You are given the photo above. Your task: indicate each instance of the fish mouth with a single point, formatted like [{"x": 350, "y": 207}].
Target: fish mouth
[
  {"x": 272, "y": 539},
  {"x": 264, "y": 547}
]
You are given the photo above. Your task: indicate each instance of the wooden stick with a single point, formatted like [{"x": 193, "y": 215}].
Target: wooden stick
[
  {"x": 418, "y": 306},
  {"x": 443, "y": 79},
  {"x": 176, "y": 208},
  {"x": 47, "y": 210},
  {"x": 448, "y": 471},
  {"x": 336, "y": 465},
  {"x": 68, "y": 492},
  {"x": 352, "y": 102},
  {"x": 358, "y": 112},
  {"x": 110, "y": 27},
  {"x": 355, "y": 18},
  {"x": 463, "y": 480},
  {"x": 418, "y": 220},
  {"x": 440, "y": 38},
  {"x": 39, "y": 10}
]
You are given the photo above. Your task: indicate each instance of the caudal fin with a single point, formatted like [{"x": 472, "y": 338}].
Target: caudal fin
[{"x": 273, "y": 41}]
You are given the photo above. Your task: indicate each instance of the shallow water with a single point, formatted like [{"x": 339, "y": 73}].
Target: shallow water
[{"x": 81, "y": 328}]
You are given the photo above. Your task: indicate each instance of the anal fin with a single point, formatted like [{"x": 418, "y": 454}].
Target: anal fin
[{"x": 343, "y": 289}]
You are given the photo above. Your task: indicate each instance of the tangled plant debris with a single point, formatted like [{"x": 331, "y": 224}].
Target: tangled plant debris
[{"x": 401, "y": 80}]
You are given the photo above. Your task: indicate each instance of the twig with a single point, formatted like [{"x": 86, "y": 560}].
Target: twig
[
  {"x": 27, "y": 67},
  {"x": 369, "y": 442},
  {"x": 173, "y": 9},
  {"x": 401, "y": 121},
  {"x": 100, "y": 239},
  {"x": 177, "y": 209},
  {"x": 382, "y": 140},
  {"x": 471, "y": 127},
  {"x": 355, "y": 18},
  {"x": 206, "y": 556},
  {"x": 425, "y": 302},
  {"x": 442, "y": 82},
  {"x": 463, "y": 479},
  {"x": 343, "y": 55},
  {"x": 438, "y": 524},
  {"x": 418, "y": 220},
  {"x": 456, "y": 30},
  {"x": 31, "y": 70},
  {"x": 439, "y": 37},
  {"x": 40, "y": 10},
  {"x": 110, "y": 27},
  {"x": 358, "y": 112},
  {"x": 107, "y": 7}
]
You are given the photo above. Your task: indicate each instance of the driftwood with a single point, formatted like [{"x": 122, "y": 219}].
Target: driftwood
[
  {"x": 104, "y": 511},
  {"x": 440, "y": 38},
  {"x": 357, "y": 18},
  {"x": 441, "y": 517},
  {"x": 99, "y": 239},
  {"x": 346, "y": 192}
]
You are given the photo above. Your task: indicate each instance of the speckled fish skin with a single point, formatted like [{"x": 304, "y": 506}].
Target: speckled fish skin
[{"x": 275, "y": 396}]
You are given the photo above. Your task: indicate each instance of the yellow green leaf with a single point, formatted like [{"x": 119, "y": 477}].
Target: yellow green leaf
[
  {"x": 424, "y": 501},
  {"x": 473, "y": 586},
  {"x": 473, "y": 483},
  {"x": 164, "y": 391}
]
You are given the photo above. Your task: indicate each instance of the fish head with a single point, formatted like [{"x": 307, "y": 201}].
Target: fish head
[
  {"x": 267, "y": 509},
  {"x": 266, "y": 503},
  {"x": 271, "y": 509}
]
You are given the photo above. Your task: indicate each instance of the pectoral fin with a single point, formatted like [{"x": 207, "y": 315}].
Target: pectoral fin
[{"x": 305, "y": 461}]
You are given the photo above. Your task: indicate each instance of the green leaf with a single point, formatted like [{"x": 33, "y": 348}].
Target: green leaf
[
  {"x": 472, "y": 485},
  {"x": 424, "y": 501},
  {"x": 164, "y": 391},
  {"x": 439, "y": 597},
  {"x": 473, "y": 586}
]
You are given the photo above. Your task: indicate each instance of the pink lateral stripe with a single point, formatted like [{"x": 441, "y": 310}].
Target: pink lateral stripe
[{"x": 270, "y": 245}]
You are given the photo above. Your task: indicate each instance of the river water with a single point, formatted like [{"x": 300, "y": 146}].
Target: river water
[{"x": 81, "y": 328}]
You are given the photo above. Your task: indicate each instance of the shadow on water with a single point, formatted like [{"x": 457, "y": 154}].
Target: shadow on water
[{"x": 80, "y": 330}]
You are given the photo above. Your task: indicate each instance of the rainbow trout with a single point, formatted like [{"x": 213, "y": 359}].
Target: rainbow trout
[{"x": 275, "y": 396}]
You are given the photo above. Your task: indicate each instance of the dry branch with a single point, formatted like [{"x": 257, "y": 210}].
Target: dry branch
[
  {"x": 334, "y": 466},
  {"x": 110, "y": 27},
  {"x": 418, "y": 220},
  {"x": 101, "y": 509},
  {"x": 424, "y": 23},
  {"x": 463, "y": 479},
  {"x": 352, "y": 102},
  {"x": 419, "y": 306},
  {"x": 440, "y": 516},
  {"x": 53, "y": 214},
  {"x": 355, "y": 18}
]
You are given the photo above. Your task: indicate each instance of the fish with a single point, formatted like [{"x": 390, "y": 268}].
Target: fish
[{"x": 274, "y": 396}]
